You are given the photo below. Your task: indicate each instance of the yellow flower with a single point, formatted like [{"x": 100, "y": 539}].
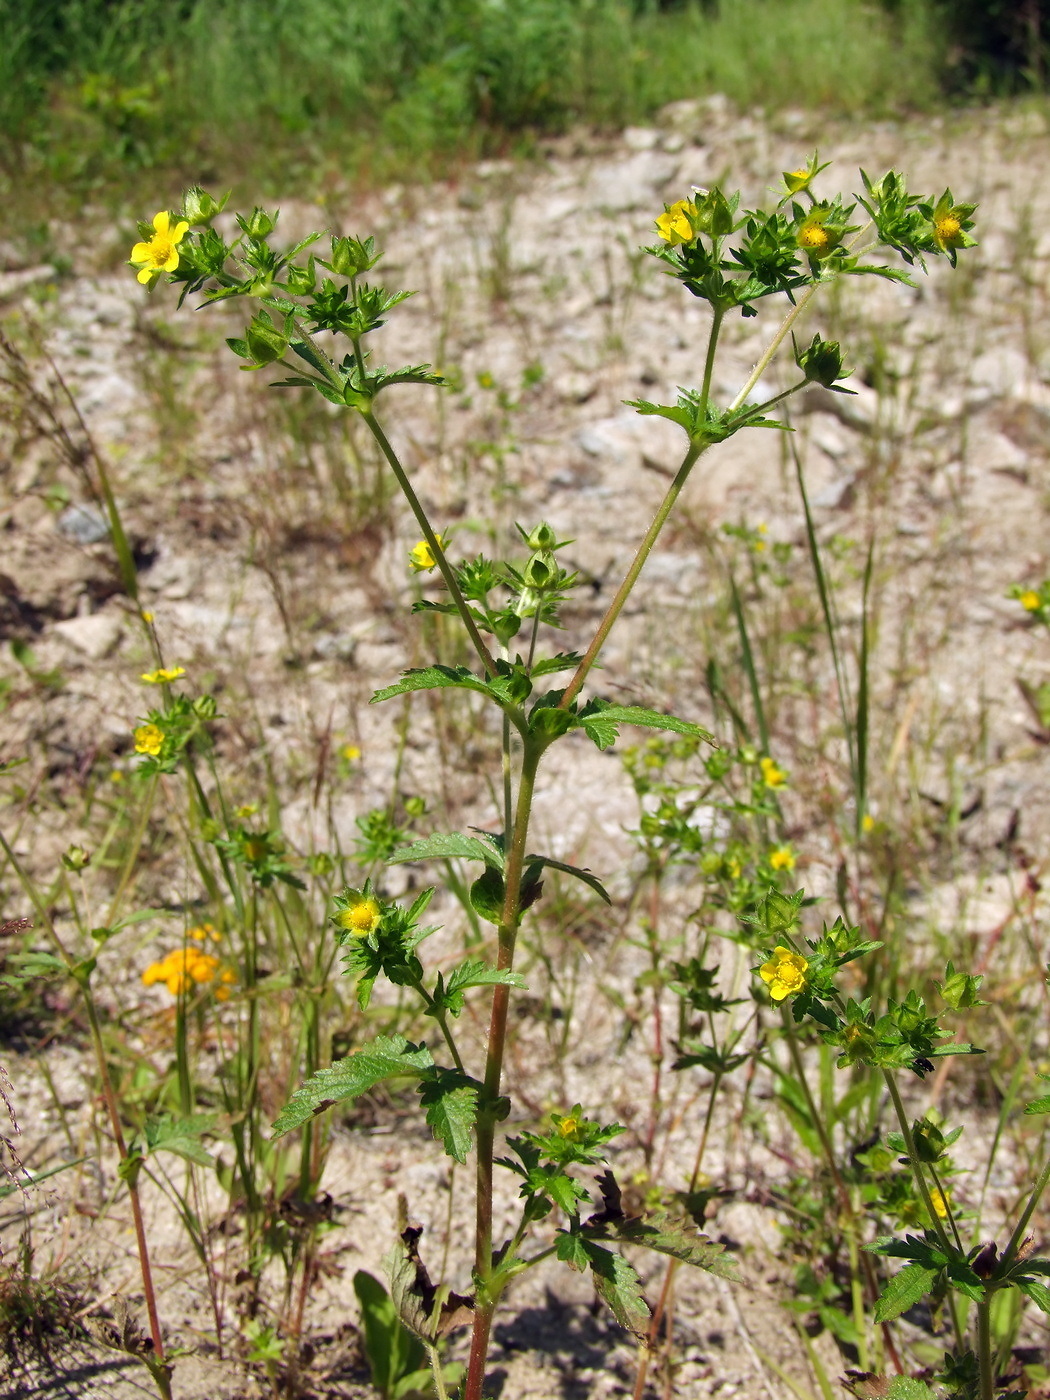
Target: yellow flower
[
  {"x": 163, "y": 674},
  {"x": 733, "y": 868},
  {"x": 940, "y": 1203},
  {"x": 1030, "y": 600},
  {"x": 568, "y": 1127},
  {"x": 185, "y": 968},
  {"x": 148, "y": 739},
  {"x": 674, "y": 225},
  {"x": 360, "y": 919},
  {"x": 146, "y": 615},
  {"x": 782, "y": 858},
  {"x": 247, "y": 809},
  {"x": 203, "y": 932},
  {"x": 785, "y": 973},
  {"x": 421, "y": 558},
  {"x": 350, "y": 752},
  {"x": 867, "y": 822},
  {"x": 772, "y": 776},
  {"x": 161, "y": 253}
]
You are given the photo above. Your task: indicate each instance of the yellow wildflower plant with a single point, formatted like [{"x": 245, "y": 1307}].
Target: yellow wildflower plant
[
  {"x": 159, "y": 253},
  {"x": 163, "y": 674},
  {"x": 674, "y": 225},
  {"x": 361, "y": 918},
  {"x": 421, "y": 557},
  {"x": 148, "y": 739},
  {"x": 350, "y": 752},
  {"x": 782, "y": 858},
  {"x": 772, "y": 776},
  {"x": 785, "y": 973}
]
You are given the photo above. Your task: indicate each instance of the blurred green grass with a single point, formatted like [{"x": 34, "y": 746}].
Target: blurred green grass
[{"x": 298, "y": 92}]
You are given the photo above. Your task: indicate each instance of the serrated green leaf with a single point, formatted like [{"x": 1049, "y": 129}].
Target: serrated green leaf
[
  {"x": 1038, "y": 1292},
  {"x": 451, "y": 1101},
  {"x": 434, "y": 678},
  {"x": 444, "y": 845},
  {"x": 570, "y": 1250},
  {"x": 599, "y": 719},
  {"x": 182, "y": 1136},
  {"x": 618, "y": 1286},
  {"x": 675, "y": 1237},
  {"x": 903, "y": 1291},
  {"x": 564, "y": 661},
  {"x": 388, "y": 1057},
  {"x": 907, "y": 1388},
  {"x": 475, "y": 972}
]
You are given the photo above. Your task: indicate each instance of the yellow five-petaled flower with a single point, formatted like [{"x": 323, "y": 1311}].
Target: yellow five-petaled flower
[
  {"x": 160, "y": 253},
  {"x": 148, "y": 739},
  {"x": 163, "y": 674},
  {"x": 674, "y": 224},
  {"x": 785, "y": 973},
  {"x": 782, "y": 858},
  {"x": 421, "y": 557},
  {"x": 772, "y": 776}
]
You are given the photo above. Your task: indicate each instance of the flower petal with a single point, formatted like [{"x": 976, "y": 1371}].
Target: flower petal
[
  {"x": 181, "y": 230},
  {"x": 140, "y": 253},
  {"x": 162, "y": 222},
  {"x": 146, "y": 275}
]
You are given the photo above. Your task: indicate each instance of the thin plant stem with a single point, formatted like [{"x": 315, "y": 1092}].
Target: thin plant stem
[
  {"x": 451, "y": 583},
  {"x": 489, "y": 1109},
  {"x": 631, "y": 577},
  {"x": 1015, "y": 1239},
  {"x": 984, "y": 1349}
]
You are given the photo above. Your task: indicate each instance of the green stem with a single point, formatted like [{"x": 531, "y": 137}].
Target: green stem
[
  {"x": 773, "y": 346},
  {"x": 631, "y": 577},
  {"x": 1026, "y": 1215},
  {"x": 916, "y": 1168},
  {"x": 709, "y": 360},
  {"x": 489, "y": 1108},
  {"x": 984, "y": 1349},
  {"x": 436, "y": 551}
]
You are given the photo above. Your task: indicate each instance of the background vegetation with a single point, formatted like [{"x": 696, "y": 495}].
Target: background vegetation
[{"x": 93, "y": 89}]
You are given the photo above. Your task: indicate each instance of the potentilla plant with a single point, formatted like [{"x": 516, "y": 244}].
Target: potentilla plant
[{"x": 314, "y": 309}]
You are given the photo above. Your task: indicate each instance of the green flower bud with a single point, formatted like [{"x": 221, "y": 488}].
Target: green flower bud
[
  {"x": 76, "y": 858},
  {"x": 541, "y": 537},
  {"x": 821, "y": 362},
  {"x": 258, "y": 224},
  {"x": 198, "y": 207},
  {"x": 351, "y": 257},
  {"x": 539, "y": 571}
]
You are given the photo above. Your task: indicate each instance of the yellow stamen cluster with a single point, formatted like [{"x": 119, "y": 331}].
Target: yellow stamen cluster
[
  {"x": 160, "y": 253},
  {"x": 785, "y": 973},
  {"x": 815, "y": 237},
  {"x": 947, "y": 228},
  {"x": 568, "y": 1127},
  {"x": 148, "y": 739},
  {"x": 185, "y": 968},
  {"x": 360, "y": 919}
]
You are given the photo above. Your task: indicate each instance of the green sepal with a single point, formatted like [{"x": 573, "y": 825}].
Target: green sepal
[{"x": 487, "y": 895}]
